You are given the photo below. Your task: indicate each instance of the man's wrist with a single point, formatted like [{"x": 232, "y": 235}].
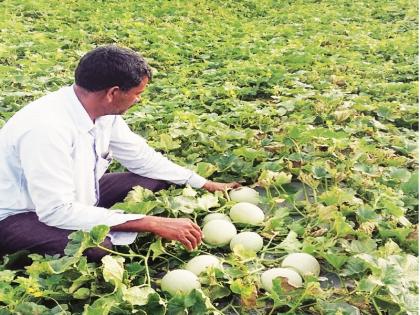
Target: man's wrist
[
  {"x": 149, "y": 224},
  {"x": 145, "y": 224}
]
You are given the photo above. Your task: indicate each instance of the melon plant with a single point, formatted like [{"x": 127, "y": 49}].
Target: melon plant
[
  {"x": 200, "y": 263},
  {"x": 180, "y": 281},
  {"x": 247, "y": 213},
  {"x": 218, "y": 232},
  {"x": 293, "y": 278},
  {"x": 303, "y": 263},
  {"x": 245, "y": 194},
  {"x": 248, "y": 240}
]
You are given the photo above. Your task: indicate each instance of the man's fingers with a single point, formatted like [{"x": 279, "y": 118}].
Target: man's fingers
[
  {"x": 197, "y": 228},
  {"x": 215, "y": 186},
  {"x": 194, "y": 237},
  {"x": 183, "y": 230},
  {"x": 193, "y": 240},
  {"x": 187, "y": 243},
  {"x": 197, "y": 235},
  {"x": 234, "y": 185},
  {"x": 194, "y": 226}
]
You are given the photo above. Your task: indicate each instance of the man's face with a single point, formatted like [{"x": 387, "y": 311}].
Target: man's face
[{"x": 123, "y": 100}]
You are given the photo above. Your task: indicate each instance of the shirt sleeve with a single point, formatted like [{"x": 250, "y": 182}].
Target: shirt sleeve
[
  {"x": 138, "y": 157},
  {"x": 45, "y": 155}
]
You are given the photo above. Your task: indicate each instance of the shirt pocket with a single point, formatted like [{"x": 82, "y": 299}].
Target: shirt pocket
[
  {"x": 102, "y": 164},
  {"x": 107, "y": 156}
]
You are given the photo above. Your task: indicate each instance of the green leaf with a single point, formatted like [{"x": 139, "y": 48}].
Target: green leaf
[
  {"x": 195, "y": 303},
  {"x": 7, "y": 275},
  {"x": 101, "y": 306},
  {"x": 246, "y": 290},
  {"x": 365, "y": 214},
  {"x": 79, "y": 241},
  {"x": 166, "y": 143},
  {"x": 218, "y": 292},
  {"x": 335, "y": 260},
  {"x": 354, "y": 266},
  {"x": 412, "y": 185},
  {"x": 298, "y": 228},
  {"x": 268, "y": 178},
  {"x": 320, "y": 172},
  {"x": 157, "y": 248},
  {"x": 291, "y": 244},
  {"x": 399, "y": 174},
  {"x": 277, "y": 221},
  {"x": 138, "y": 194},
  {"x": 207, "y": 202},
  {"x": 250, "y": 154},
  {"x": 155, "y": 305},
  {"x": 143, "y": 207},
  {"x": 62, "y": 264},
  {"x": 81, "y": 294},
  {"x": 176, "y": 306},
  {"x": 341, "y": 227},
  {"x": 188, "y": 191},
  {"x": 30, "y": 308},
  {"x": 363, "y": 246},
  {"x": 367, "y": 284},
  {"x": 336, "y": 196},
  {"x": 137, "y": 295},
  {"x": 12, "y": 261},
  {"x": 401, "y": 234},
  {"x": 79, "y": 282},
  {"x": 205, "y": 169},
  {"x": 240, "y": 251},
  {"x": 392, "y": 207},
  {"x": 98, "y": 233},
  {"x": 183, "y": 204},
  {"x": 113, "y": 269},
  {"x": 338, "y": 308},
  {"x": 283, "y": 178}
]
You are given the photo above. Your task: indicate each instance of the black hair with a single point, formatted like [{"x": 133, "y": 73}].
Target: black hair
[{"x": 109, "y": 66}]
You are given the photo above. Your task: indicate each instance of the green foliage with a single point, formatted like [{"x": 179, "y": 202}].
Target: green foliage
[{"x": 314, "y": 101}]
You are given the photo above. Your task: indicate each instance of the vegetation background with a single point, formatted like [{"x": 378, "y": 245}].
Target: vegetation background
[{"x": 314, "y": 101}]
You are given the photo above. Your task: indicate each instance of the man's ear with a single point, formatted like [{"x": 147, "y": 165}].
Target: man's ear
[{"x": 111, "y": 92}]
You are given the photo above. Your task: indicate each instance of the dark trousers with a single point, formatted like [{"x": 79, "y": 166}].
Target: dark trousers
[{"x": 25, "y": 232}]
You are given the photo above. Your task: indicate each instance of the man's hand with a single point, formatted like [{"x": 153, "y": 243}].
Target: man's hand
[
  {"x": 215, "y": 186},
  {"x": 182, "y": 230}
]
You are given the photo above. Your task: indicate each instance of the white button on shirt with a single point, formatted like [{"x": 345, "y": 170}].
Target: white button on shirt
[{"x": 52, "y": 156}]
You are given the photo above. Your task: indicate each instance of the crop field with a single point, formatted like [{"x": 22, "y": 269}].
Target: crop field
[{"x": 311, "y": 103}]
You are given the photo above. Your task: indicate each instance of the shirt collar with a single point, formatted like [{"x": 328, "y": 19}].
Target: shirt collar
[{"x": 78, "y": 112}]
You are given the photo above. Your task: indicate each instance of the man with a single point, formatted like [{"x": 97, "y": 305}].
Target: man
[{"x": 55, "y": 151}]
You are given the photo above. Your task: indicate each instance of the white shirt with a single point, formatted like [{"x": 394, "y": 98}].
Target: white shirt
[{"x": 52, "y": 156}]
